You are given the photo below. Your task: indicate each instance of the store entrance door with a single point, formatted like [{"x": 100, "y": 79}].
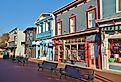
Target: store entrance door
[{"x": 92, "y": 54}]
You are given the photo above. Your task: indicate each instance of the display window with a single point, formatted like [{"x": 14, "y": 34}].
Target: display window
[
  {"x": 75, "y": 49},
  {"x": 115, "y": 50}
]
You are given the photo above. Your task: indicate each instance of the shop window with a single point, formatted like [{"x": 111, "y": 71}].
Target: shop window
[
  {"x": 43, "y": 51},
  {"x": 115, "y": 51},
  {"x": 81, "y": 52},
  {"x": 118, "y": 6},
  {"x": 60, "y": 52},
  {"x": 73, "y": 52},
  {"x": 75, "y": 49},
  {"x": 59, "y": 27},
  {"x": 67, "y": 52},
  {"x": 72, "y": 22}
]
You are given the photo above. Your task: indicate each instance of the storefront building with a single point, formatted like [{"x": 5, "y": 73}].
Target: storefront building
[
  {"x": 77, "y": 40},
  {"x": 110, "y": 24},
  {"x": 44, "y": 36},
  {"x": 29, "y": 38},
  {"x": 14, "y": 46}
]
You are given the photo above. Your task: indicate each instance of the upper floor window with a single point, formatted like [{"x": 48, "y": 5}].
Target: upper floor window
[
  {"x": 46, "y": 26},
  {"x": 59, "y": 27},
  {"x": 72, "y": 23},
  {"x": 49, "y": 25},
  {"x": 41, "y": 28},
  {"x": 118, "y": 6},
  {"x": 91, "y": 17}
]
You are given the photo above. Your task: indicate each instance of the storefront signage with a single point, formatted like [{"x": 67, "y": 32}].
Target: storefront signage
[
  {"x": 111, "y": 28},
  {"x": 74, "y": 40}
]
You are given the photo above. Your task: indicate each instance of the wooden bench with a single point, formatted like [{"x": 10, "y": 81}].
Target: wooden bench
[
  {"x": 77, "y": 73},
  {"x": 20, "y": 59},
  {"x": 48, "y": 65}
]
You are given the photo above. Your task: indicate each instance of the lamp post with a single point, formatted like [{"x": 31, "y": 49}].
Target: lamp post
[{"x": 14, "y": 44}]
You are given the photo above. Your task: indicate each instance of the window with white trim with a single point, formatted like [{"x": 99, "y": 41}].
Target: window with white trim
[
  {"x": 41, "y": 28},
  {"x": 91, "y": 19},
  {"x": 118, "y": 6},
  {"x": 44, "y": 27},
  {"x": 72, "y": 24},
  {"x": 59, "y": 26},
  {"x": 47, "y": 26}
]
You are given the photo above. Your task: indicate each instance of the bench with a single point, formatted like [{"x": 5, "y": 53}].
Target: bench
[
  {"x": 77, "y": 73},
  {"x": 48, "y": 65},
  {"x": 20, "y": 59}
]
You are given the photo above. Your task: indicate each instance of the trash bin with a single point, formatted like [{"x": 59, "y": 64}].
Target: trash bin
[{"x": 5, "y": 55}]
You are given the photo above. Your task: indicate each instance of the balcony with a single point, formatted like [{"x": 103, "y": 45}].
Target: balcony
[
  {"x": 44, "y": 35},
  {"x": 11, "y": 44}
]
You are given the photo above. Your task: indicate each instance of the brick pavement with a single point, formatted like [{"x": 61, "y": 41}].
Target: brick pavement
[
  {"x": 14, "y": 72},
  {"x": 100, "y": 76}
]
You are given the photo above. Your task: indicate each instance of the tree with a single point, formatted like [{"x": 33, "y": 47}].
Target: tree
[{"x": 3, "y": 40}]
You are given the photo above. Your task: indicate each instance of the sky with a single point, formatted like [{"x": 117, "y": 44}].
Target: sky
[{"x": 23, "y": 13}]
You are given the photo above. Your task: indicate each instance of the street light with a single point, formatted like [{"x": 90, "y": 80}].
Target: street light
[{"x": 14, "y": 44}]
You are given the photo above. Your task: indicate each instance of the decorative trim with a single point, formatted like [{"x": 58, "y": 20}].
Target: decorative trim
[
  {"x": 78, "y": 33},
  {"x": 68, "y": 6}
]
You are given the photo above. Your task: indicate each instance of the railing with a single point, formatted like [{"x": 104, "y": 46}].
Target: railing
[{"x": 47, "y": 34}]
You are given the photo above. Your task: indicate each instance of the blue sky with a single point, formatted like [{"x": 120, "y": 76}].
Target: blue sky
[{"x": 23, "y": 13}]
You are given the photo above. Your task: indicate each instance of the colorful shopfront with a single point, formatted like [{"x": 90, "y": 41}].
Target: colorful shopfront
[
  {"x": 111, "y": 44},
  {"x": 77, "y": 39},
  {"x": 45, "y": 26},
  {"x": 46, "y": 50},
  {"x": 81, "y": 50}
]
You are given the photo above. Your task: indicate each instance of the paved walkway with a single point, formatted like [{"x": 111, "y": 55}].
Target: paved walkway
[{"x": 14, "y": 72}]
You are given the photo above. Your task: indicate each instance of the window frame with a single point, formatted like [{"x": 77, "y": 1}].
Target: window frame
[
  {"x": 117, "y": 6},
  {"x": 59, "y": 22},
  {"x": 90, "y": 9},
  {"x": 46, "y": 26},
  {"x": 73, "y": 16}
]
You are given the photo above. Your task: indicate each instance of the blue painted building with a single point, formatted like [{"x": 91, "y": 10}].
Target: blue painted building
[
  {"x": 44, "y": 35},
  {"x": 77, "y": 36},
  {"x": 110, "y": 24}
]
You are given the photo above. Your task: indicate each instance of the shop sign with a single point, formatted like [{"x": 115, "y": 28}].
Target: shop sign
[{"x": 111, "y": 28}]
